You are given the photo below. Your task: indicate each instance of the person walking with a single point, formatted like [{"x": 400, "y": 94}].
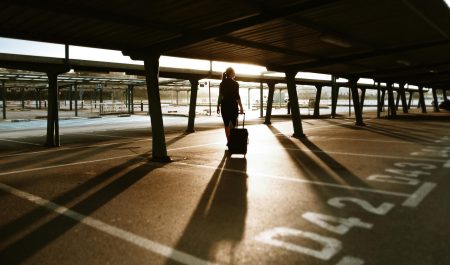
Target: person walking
[{"x": 229, "y": 102}]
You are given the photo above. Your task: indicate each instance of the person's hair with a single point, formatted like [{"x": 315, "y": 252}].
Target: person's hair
[{"x": 229, "y": 73}]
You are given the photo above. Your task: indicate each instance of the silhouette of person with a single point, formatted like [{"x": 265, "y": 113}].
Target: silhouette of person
[{"x": 229, "y": 102}]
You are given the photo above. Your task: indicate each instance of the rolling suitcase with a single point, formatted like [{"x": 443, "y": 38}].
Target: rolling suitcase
[{"x": 238, "y": 140}]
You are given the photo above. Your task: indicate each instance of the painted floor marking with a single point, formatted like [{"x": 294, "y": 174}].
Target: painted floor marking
[
  {"x": 96, "y": 160},
  {"x": 20, "y": 142},
  {"x": 299, "y": 180},
  {"x": 417, "y": 197},
  {"x": 137, "y": 240}
]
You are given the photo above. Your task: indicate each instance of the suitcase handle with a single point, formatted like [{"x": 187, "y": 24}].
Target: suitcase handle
[{"x": 243, "y": 121}]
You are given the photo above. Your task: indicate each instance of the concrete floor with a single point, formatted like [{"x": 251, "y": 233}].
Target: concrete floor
[{"x": 344, "y": 195}]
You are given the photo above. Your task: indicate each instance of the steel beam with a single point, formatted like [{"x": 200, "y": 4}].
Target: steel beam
[
  {"x": 293, "y": 99},
  {"x": 269, "y": 103},
  {"x": 192, "y": 105},
  {"x": 159, "y": 150}
]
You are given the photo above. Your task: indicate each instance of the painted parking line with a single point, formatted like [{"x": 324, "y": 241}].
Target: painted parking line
[
  {"x": 117, "y": 232},
  {"x": 20, "y": 142}
]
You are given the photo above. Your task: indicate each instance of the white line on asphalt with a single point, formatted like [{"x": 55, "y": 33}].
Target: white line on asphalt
[
  {"x": 20, "y": 142},
  {"x": 137, "y": 240},
  {"x": 96, "y": 160},
  {"x": 348, "y": 260},
  {"x": 416, "y": 198},
  {"x": 299, "y": 180}
]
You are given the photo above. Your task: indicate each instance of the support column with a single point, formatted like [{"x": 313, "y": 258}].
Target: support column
[
  {"x": 269, "y": 103},
  {"x": 435, "y": 100},
  {"x": 444, "y": 94},
  {"x": 129, "y": 89},
  {"x": 248, "y": 99},
  {"x": 70, "y": 97},
  {"x": 159, "y": 150},
  {"x": 410, "y": 99},
  {"x": 4, "y": 99},
  {"x": 334, "y": 96},
  {"x": 422, "y": 100},
  {"x": 391, "y": 103},
  {"x": 293, "y": 99},
  {"x": 356, "y": 106},
  {"x": 378, "y": 101},
  {"x": 132, "y": 98},
  {"x": 261, "y": 101},
  {"x": 53, "y": 139},
  {"x": 75, "y": 91},
  {"x": 401, "y": 91},
  {"x": 363, "y": 97},
  {"x": 317, "y": 102},
  {"x": 22, "y": 96},
  {"x": 192, "y": 105},
  {"x": 397, "y": 100}
]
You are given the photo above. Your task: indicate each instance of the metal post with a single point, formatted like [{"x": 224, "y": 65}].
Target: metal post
[
  {"x": 422, "y": 100},
  {"x": 410, "y": 99},
  {"x": 391, "y": 103},
  {"x": 209, "y": 96},
  {"x": 261, "y": 101},
  {"x": 435, "y": 100},
  {"x": 248, "y": 99},
  {"x": 132, "y": 98},
  {"x": 354, "y": 90},
  {"x": 269, "y": 103},
  {"x": 444, "y": 94},
  {"x": 22, "y": 96},
  {"x": 382, "y": 99},
  {"x": 334, "y": 96},
  {"x": 52, "y": 117},
  {"x": 363, "y": 97},
  {"x": 401, "y": 90},
  {"x": 75, "y": 88},
  {"x": 317, "y": 102},
  {"x": 280, "y": 99},
  {"x": 349, "y": 101},
  {"x": 192, "y": 105},
  {"x": 70, "y": 96},
  {"x": 397, "y": 100},
  {"x": 293, "y": 98},
  {"x": 4, "y": 99},
  {"x": 378, "y": 101},
  {"x": 159, "y": 150}
]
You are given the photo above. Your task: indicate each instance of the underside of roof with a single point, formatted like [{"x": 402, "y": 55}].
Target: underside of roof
[{"x": 390, "y": 41}]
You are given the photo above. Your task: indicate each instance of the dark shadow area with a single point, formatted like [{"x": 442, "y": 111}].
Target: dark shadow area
[
  {"x": 422, "y": 117},
  {"x": 220, "y": 215},
  {"x": 312, "y": 169},
  {"x": 40, "y": 237}
]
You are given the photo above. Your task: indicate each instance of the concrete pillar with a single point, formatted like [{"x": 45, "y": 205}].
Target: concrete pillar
[
  {"x": 355, "y": 96},
  {"x": 261, "y": 101},
  {"x": 159, "y": 150},
  {"x": 53, "y": 139},
  {"x": 392, "y": 112},
  {"x": 363, "y": 97},
  {"x": 317, "y": 102},
  {"x": 402, "y": 93},
  {"x": 382, "y": 98},
  {"x": 378, "y": 100},
  {"x": 4, "y": 99},
  {"x": 444, "y": 94},
  {"x": 422, "y": 100},
  {"x": 22, "y": 97},
  {"x": 192, "y": 105},
  {"x": 132, "y": 98},
  {"x": 397, "y": 100},
  {"x": 75, "y": 91},
  {"x": 293, "y": 99},
  {"x": 410, "y": 99},
  {"x": 334, "y": 96},
  {"x": 435, "y": 100},
  {"x": 269, "y": 103}
]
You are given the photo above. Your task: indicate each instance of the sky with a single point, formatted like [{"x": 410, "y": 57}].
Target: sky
[{"x": 24, "y": 47}]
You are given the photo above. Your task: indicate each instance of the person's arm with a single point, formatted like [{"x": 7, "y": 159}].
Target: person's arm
[{"x": 241, "y": 109}]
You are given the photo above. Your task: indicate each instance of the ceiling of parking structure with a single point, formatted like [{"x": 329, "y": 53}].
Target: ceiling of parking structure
[{"x": 398, "y": 41}]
